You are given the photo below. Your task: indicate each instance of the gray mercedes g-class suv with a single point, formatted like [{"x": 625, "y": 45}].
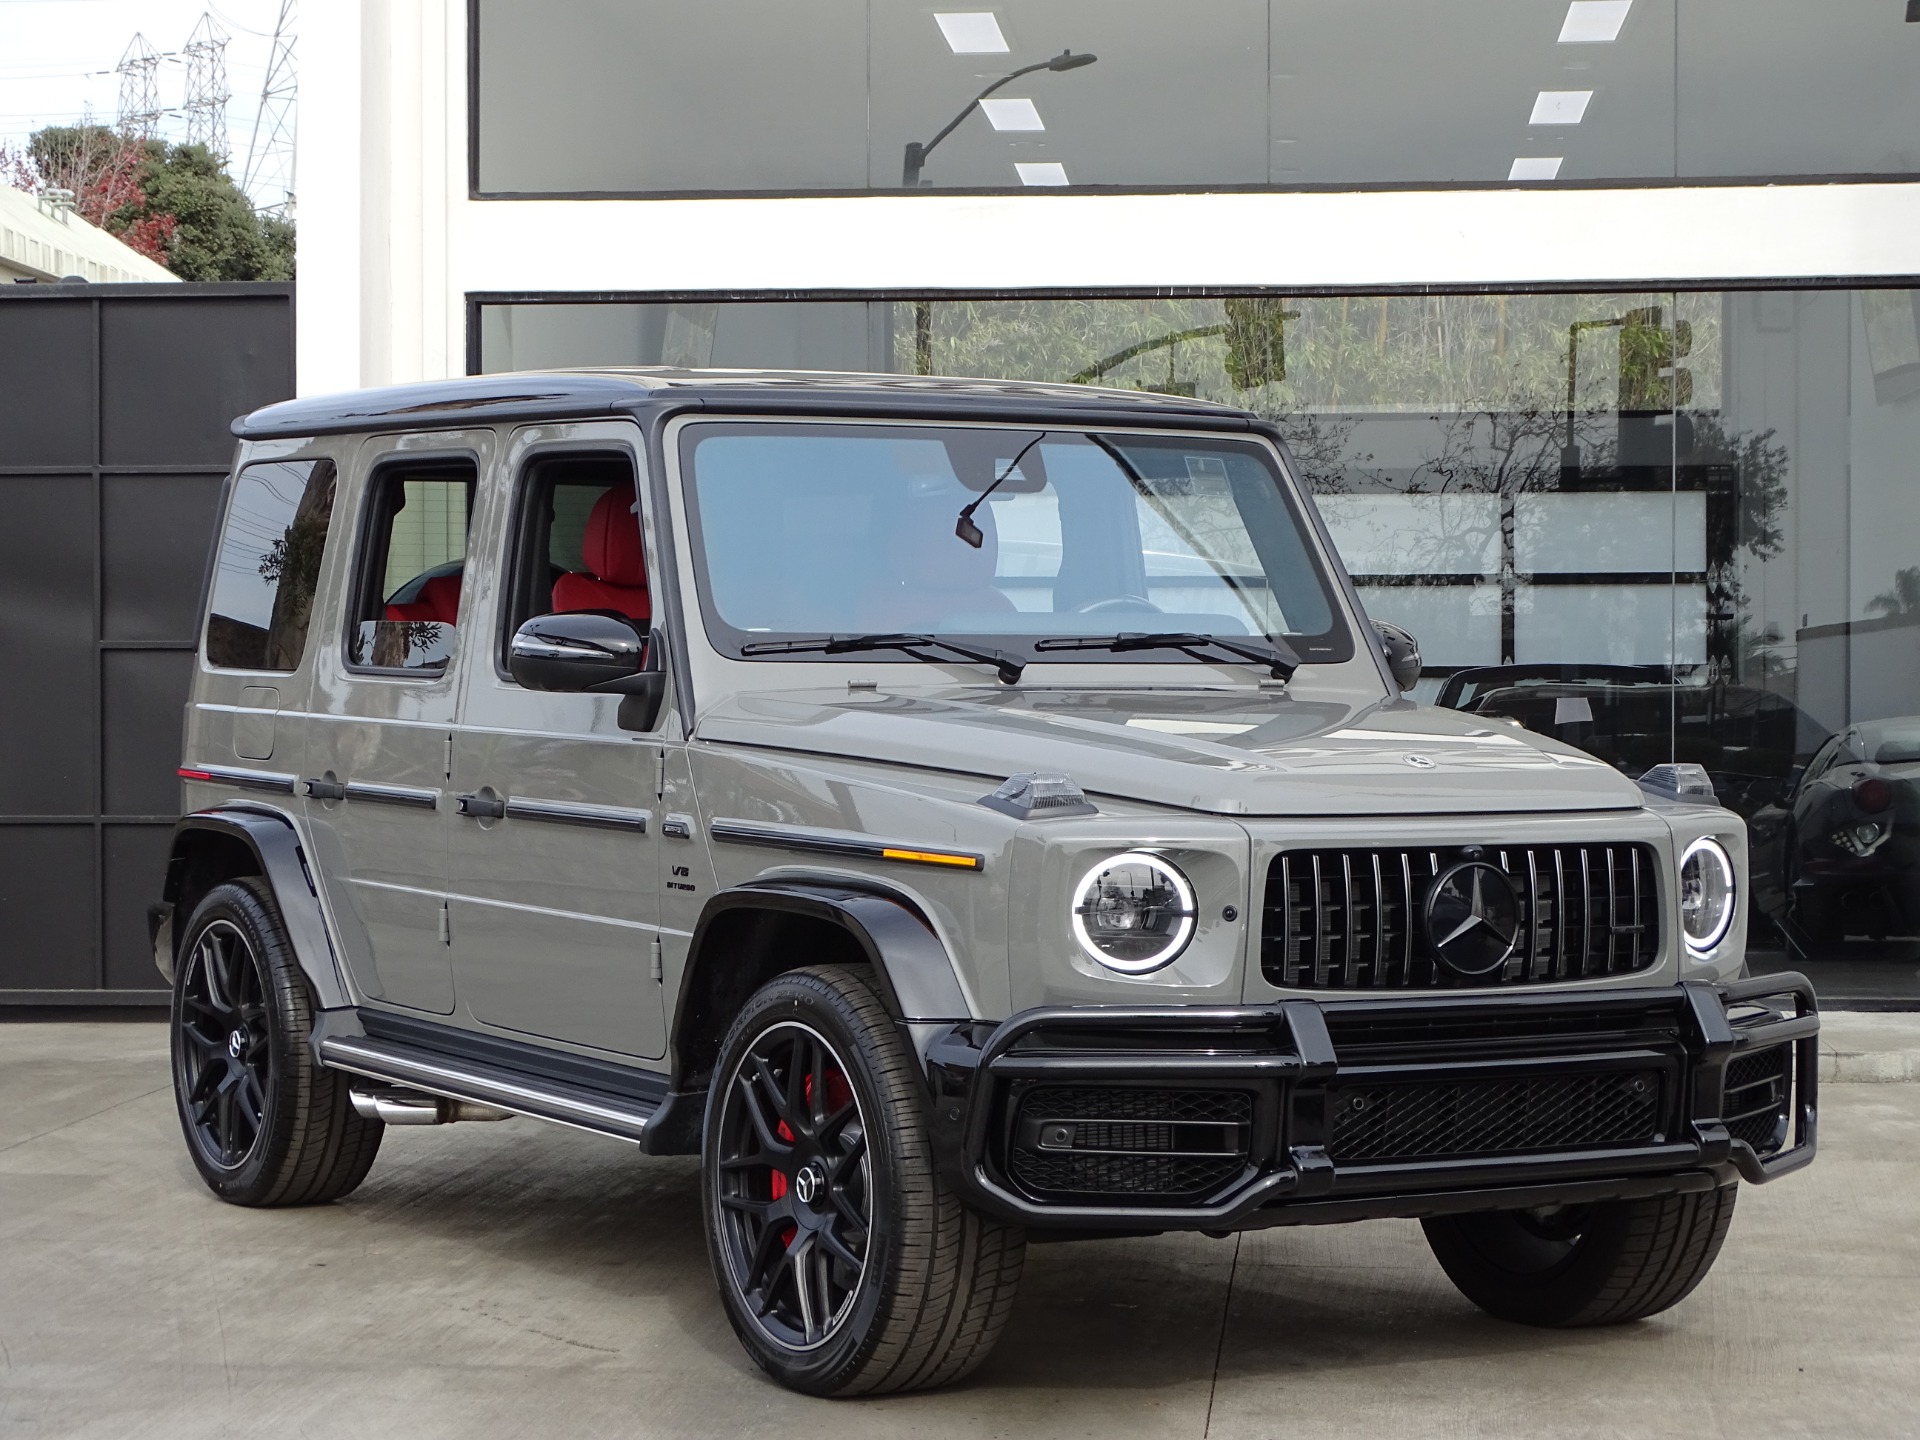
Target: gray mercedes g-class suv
[{"x": 956, "y": 811}]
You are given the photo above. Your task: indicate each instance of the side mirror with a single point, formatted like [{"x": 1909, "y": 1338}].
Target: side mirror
[
  {"x": 1402, "y": 652},
  {"x": 593, "y": 652}
]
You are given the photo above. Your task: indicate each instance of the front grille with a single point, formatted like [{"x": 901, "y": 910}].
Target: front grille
[
  {"x": 1094, "y": 1141},
  {"x": 1429, "y": 1120},
  {"x": 1356, "y": 919},
  {"x": 1759, "y": 1090}
]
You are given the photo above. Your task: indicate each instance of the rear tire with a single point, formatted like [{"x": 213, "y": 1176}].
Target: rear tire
[
  {"x": 265, "y": 1123},
  {"x": 846, "y": 1266},
  {"x": 1600, "y": 1264}
]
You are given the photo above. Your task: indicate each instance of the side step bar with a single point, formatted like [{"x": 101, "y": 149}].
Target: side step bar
[{"x": 490, "y": 1085}]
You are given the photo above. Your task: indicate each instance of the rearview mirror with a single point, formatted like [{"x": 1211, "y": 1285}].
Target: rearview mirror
[
  {"x": 1402, "y": 654},
  {"x": 595, "y": 652}
]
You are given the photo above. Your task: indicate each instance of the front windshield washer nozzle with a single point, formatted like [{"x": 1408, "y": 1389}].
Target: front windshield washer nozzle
[{"x": 1040, "y": 797}]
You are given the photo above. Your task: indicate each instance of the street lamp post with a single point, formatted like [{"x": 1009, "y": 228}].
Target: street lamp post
[{"x": 916, "y": 157}]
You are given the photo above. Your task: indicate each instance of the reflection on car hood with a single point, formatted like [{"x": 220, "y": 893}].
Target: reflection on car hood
[{"x": 1228, "y": 752}]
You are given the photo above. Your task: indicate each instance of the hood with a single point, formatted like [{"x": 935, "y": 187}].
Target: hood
[{"x": 1225, "y": 752}]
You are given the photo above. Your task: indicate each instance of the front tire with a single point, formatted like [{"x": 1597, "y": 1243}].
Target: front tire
[
  {"x": 265, "y": 1123},
  {"x": 1601, "y": 1264},
  {"x": 846, "y": 1266}
]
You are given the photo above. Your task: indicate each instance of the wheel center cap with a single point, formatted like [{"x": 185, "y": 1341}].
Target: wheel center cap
[
  {"x": 810, "y": 1183},
  {"x": 236, "y": 1044}
]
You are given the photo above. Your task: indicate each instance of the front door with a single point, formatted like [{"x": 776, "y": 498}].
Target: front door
[
  {"x": 381, "y": 725},
  {"x": 554, "y": 883}
]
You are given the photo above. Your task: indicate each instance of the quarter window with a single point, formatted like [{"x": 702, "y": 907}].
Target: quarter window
[
  {"x": 407, "y": 609},
  {"x": 268, "y": 565}
]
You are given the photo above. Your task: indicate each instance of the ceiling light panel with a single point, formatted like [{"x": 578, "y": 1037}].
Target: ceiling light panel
[
  {"x": 1042, "y": 172},
  {"x": 1594, "y": 22},
  {"x": 1535, "y": 167},
  {"x": 973, "y": 32},
  {"x": 1560, "y": 107},
  {"x": 1012, "y": 114}
]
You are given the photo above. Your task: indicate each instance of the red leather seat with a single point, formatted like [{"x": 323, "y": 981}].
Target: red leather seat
[
  {"x": 439, "y": 600},
  {"x": 616, "y": 575}
]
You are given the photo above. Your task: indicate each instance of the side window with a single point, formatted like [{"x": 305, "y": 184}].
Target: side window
[
  {"x": 412, "y": 562},
  {"x": 268, "y": 565},
  {"x": 576, "y": 543}
]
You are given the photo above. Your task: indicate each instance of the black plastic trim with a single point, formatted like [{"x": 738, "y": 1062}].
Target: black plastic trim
[
  {"x": 827, "y": 842},
  {"x": 1286, "y": 1057},
  {"x": 275, "y": 844},
  {"x": 599, "y": 817},
  {"x": 516, "y": 1057}
]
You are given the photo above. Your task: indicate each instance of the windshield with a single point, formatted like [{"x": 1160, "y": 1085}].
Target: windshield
[{"x": 809, "y": 530}]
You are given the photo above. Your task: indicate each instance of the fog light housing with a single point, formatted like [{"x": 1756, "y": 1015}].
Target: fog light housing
[
  {"x": 1133, "y": 913},
  {"x": 1706, "y": 895},
  {"x": 1862, "y": 838}
]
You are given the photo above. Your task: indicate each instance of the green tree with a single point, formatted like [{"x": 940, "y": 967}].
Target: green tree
[
  {"x": 174, "y": 203},
  {"x": 217, "y": 235}
]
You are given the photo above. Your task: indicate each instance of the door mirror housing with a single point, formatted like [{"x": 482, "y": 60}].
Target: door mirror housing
[
  {"x": 1402, "y": 653},
  {"x": 594, "y": 652}
]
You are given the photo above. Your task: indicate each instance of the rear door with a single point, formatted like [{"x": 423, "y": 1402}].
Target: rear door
[
  {"x": 555, "y": 886},
  {"x": 380, "y": 728}
]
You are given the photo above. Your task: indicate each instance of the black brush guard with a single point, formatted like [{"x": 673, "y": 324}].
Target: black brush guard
[{"x": 1297, "y": 1060}]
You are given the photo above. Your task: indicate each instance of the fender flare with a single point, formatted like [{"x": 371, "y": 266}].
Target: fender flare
[
  {"x": 915, "y": 973},
  {"x": 271, "y": 836}
]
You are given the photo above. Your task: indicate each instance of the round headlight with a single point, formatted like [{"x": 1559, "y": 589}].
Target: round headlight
[
  {"x": 1706, "y": 894},
  {"x": 1133, "y": 913}
]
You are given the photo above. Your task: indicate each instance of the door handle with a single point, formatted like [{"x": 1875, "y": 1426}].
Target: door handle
[
  {"x": 483, "y": 806},
  {"x": 326, "y": 787}
]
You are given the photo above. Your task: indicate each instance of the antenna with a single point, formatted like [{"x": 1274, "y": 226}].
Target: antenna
[
  {"x": 139, "y": 71},
  {"x": 269, "y": 168},
  {"x": 207, "y": 91}
]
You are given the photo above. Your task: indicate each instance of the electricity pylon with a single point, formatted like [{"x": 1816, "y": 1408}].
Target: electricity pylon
[
  {"x": 207, "y": 90},
  {"x": 268, "y": 173},
  {"x": 139, "y": 71}
]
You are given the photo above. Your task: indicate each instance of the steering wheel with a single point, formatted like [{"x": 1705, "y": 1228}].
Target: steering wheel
[{"x": 1118, "y": 602}]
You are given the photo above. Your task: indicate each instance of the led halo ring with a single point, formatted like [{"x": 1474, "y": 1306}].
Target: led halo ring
[
  {"x": 1177, "y": 940},
  {"x": 1707, "y": 846}
]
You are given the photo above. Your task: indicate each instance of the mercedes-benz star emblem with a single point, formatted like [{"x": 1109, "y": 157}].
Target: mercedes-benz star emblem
[
  {"x": 1419, "y": 762},
  {"x": 808, "y": 1183},
  {"x": 236, "y": 1043},
  {"x": 1473, "y": 918}
]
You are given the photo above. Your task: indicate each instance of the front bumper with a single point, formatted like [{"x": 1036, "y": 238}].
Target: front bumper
[{"x": 1096, "y": 1119}]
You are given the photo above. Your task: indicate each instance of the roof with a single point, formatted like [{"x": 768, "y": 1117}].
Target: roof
[
  {"x": 554, "y": 394},
  {"x": 46, "y": 242}
]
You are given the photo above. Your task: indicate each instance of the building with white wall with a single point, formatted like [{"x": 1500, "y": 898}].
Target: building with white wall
[
  {"x": 1594, "y": 322},
  {"x": 42, "y": 240}
]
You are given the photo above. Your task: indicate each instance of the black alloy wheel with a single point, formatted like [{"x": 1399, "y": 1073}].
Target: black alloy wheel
[
  {"x": 794, "y": 1186},
  {"x": 845, "y": 1264},
  {"x": 224, "y": 1068},
  {"x": 265, "y": 1122}
]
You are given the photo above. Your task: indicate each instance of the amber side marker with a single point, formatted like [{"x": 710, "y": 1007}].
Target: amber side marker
[{"x": 933, "y": 857}]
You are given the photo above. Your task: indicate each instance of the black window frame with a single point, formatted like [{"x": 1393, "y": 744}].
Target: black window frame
[
  {"x": 373, "y": 535},
  {"x": 229, "y": 495},
  {"x": 529, "y": 522}
]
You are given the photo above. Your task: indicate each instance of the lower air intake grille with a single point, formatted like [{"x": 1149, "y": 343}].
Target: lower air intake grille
[
  {"x": 1090, "y": 1142},
  {"x": 1357, "y": 919},
  {"x": 1427, "y": 1120},
  {"x": 1759, "y": 1090}
]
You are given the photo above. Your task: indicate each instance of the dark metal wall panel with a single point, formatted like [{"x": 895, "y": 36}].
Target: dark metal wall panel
[{"x": 115, "y": 403}]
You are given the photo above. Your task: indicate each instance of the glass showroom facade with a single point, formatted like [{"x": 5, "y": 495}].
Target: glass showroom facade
[
  {"x": 797, "y": 96},
  {"x": 1665, "y": 523}
]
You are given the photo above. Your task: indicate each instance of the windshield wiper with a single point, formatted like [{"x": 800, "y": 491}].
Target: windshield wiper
[
  {"x": 1279, "y": 658},
  {"x": 1008, "y": 666}
]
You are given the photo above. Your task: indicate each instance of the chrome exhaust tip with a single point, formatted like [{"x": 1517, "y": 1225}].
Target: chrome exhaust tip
[{"x": 414, "y": 1107}]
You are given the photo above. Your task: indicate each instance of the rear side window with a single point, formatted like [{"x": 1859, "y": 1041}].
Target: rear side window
[
  {"x": 406, "y": 610},
  {"x": 268, "y": 565}
]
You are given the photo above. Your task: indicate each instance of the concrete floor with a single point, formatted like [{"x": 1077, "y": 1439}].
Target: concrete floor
[{"x": 520, "y": 1280}]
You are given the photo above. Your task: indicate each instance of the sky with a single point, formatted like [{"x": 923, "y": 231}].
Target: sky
[{"x": 57, "y": 59}]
